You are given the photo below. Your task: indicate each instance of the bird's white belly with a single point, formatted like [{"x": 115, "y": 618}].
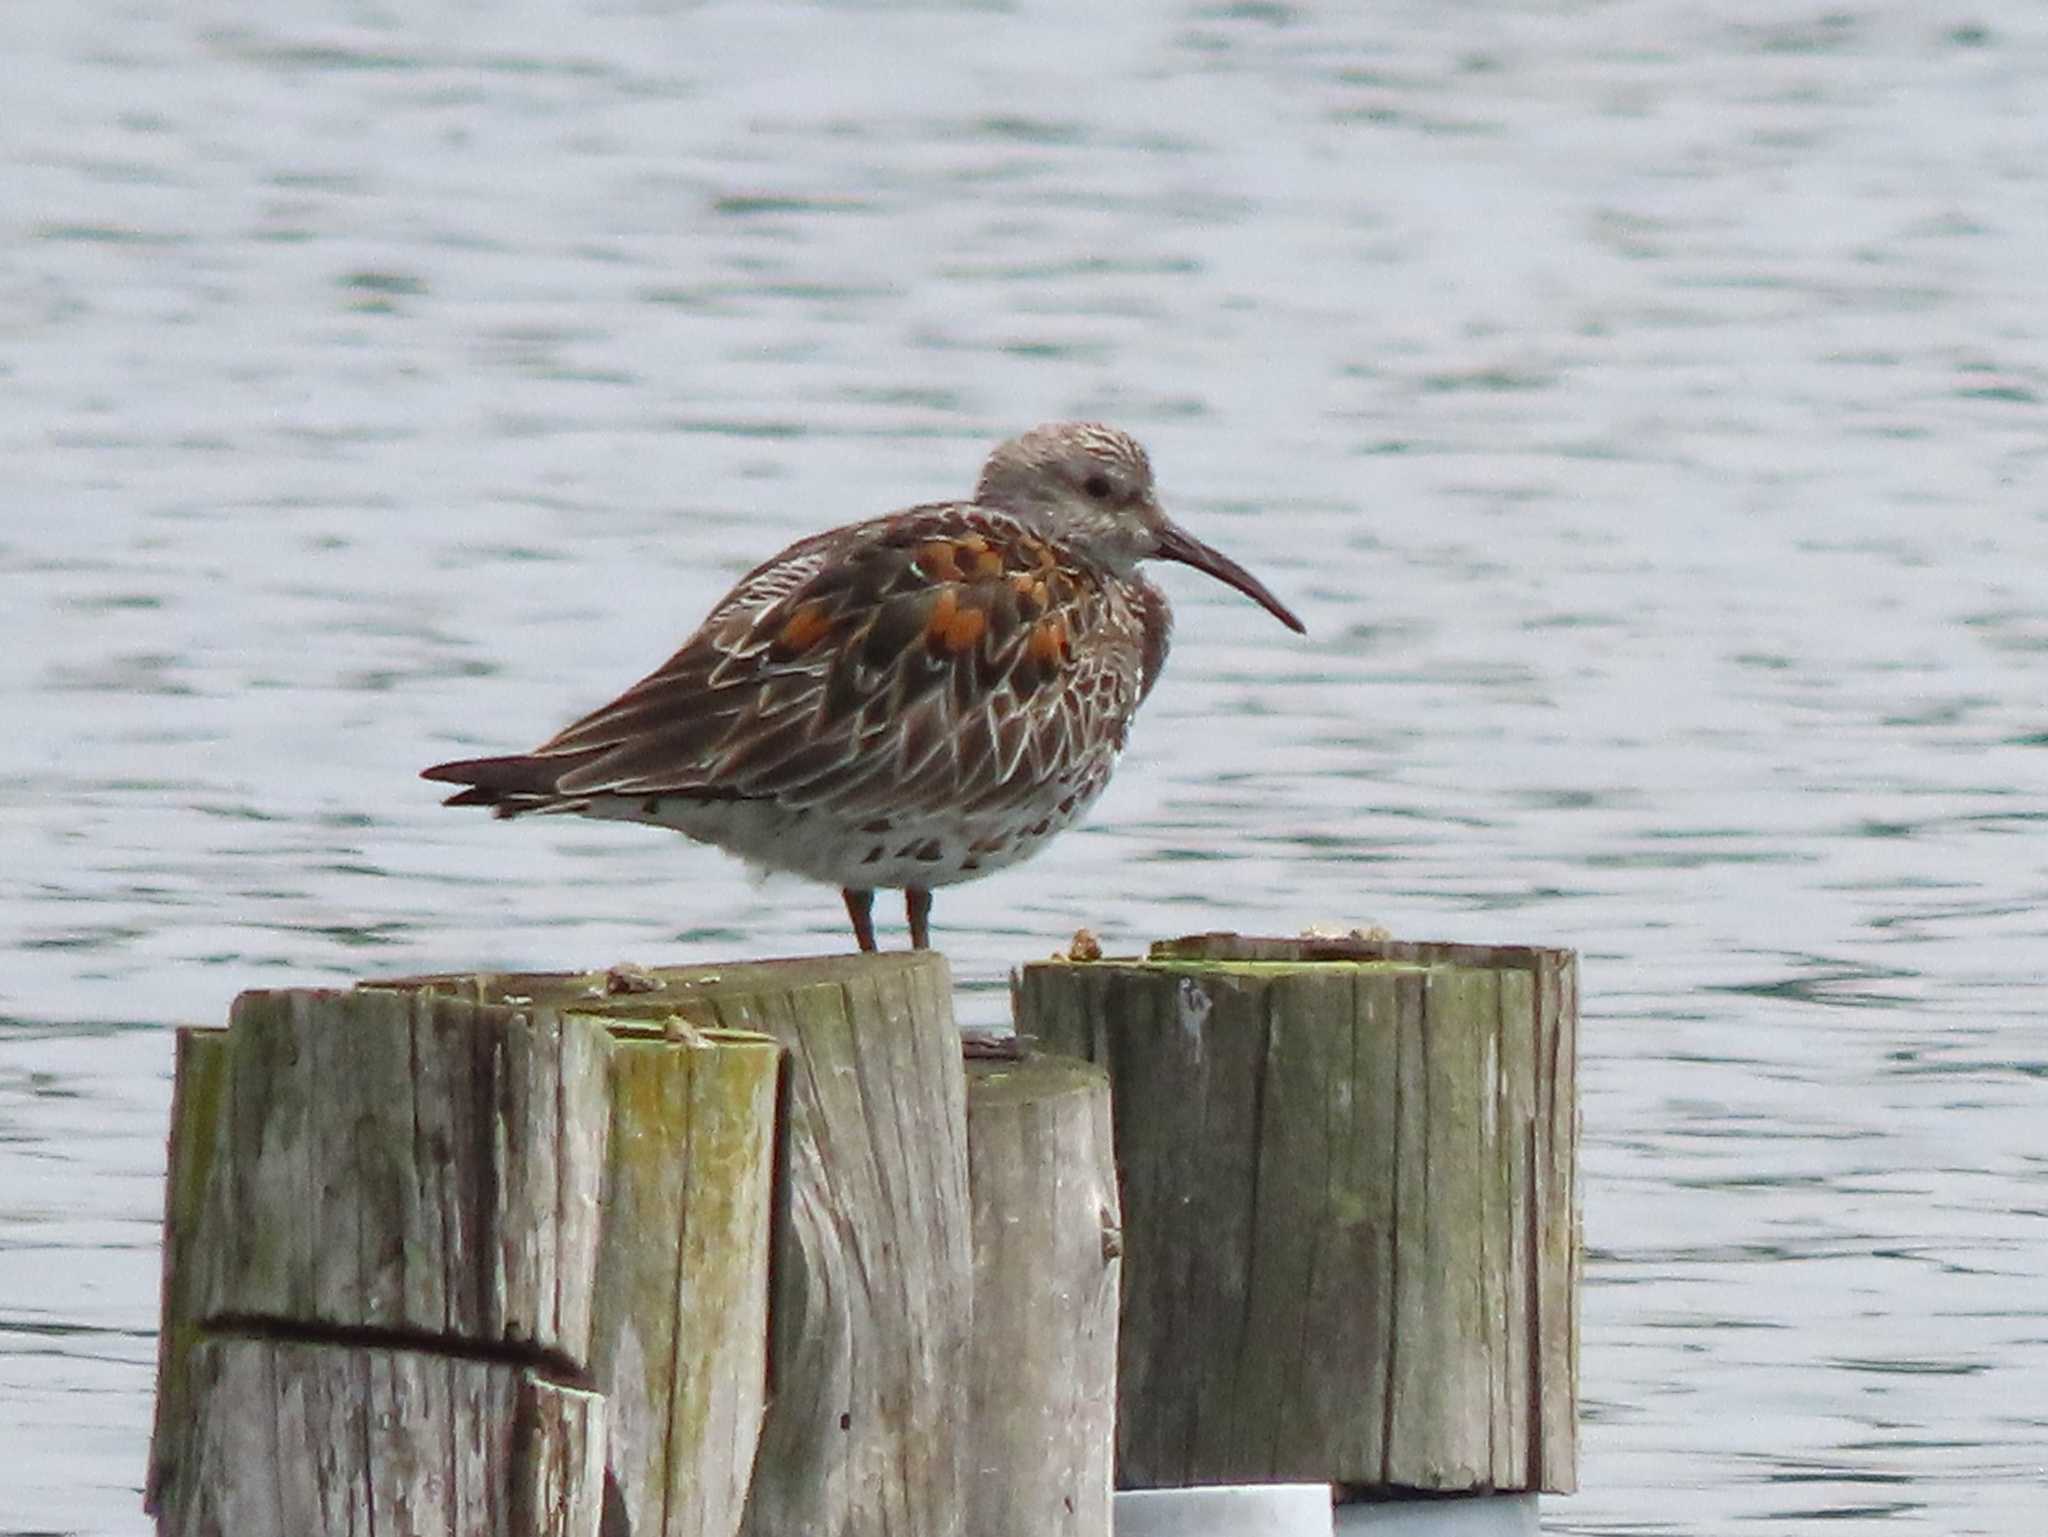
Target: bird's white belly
[{"x": 881, "y": 853}]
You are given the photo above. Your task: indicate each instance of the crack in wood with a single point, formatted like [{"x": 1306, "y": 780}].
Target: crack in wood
[{"x": 548, "y": 1366}]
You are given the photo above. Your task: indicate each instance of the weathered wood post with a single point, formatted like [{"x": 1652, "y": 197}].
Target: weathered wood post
[
  {"x": 1047, "y": 1237},
  {"x": 490, "y": 1254},
  {"x": 353, "y": 1240},
  {"x": 867, "y": 1426},
  {"x": 1350, "y": 1208}
]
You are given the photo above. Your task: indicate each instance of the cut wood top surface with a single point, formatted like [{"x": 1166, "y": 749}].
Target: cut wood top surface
[
  {"x": 1230, "y": 967},
  {"x": 1359, "y": 949},
  {"x": 1029, "y": 1080},
  {"x": 632, "y": 990},
  {"x": 1253, "y": 954}
]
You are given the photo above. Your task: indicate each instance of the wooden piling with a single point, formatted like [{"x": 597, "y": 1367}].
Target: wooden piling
[
  {"x": 696, "y": 1252},
  {"x": 502, "y": 1244},
  {"x": 1047, "y": 1241},
  {"x": 378, "y": 1199},
  {"x": 1350, "y": 1208},
  {"x": 866, "y": 1431}
]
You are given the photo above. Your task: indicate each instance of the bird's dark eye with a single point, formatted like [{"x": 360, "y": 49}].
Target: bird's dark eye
[{"x": 1098, "y": 486}]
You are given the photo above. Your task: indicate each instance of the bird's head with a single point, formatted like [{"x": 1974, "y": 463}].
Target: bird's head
[{"x": 1090, "y": 487}]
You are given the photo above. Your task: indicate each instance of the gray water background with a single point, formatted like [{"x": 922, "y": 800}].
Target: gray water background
[{"x": 1641, "y": 401}]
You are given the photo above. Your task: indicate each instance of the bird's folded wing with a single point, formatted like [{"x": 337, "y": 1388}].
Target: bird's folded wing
[{"x": 943, "y": 656}]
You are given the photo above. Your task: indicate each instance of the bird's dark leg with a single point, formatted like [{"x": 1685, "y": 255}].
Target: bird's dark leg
[
  {"x": 917, "y": 906},
  {"x": 860, "y": 907}
]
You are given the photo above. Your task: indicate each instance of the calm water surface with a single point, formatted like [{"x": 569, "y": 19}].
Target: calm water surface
[{"x": 1642, "y": 402}]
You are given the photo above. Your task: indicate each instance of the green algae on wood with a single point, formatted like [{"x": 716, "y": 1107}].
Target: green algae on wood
[
  {"x": 680, "y": 1318},
  {"x": 199, "y": 1088}
]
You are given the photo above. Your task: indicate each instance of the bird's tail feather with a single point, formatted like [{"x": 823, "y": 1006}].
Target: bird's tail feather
[{"x": 508, "y": 785}]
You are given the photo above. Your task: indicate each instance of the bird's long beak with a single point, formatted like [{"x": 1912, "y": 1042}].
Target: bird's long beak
[{"x": 1176, "y": 543}]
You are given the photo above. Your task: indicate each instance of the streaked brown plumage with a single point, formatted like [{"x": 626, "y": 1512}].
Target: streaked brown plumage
[{"x": 915, "y": 700}]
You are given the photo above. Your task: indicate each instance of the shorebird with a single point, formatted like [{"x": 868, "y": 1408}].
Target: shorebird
[{"x": 908, "y": 702}]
